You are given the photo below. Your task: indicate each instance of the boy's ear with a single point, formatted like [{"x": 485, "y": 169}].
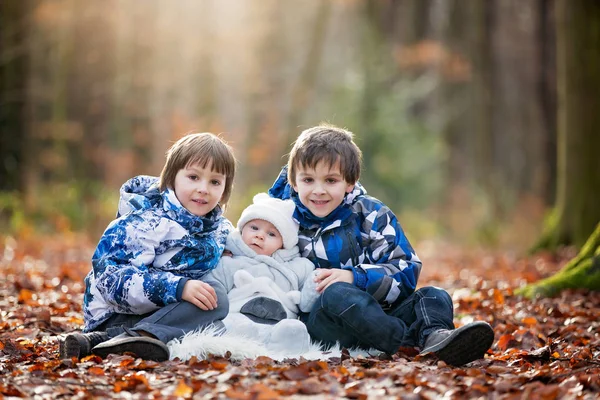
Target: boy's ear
[{"x": 349, "y": 188}]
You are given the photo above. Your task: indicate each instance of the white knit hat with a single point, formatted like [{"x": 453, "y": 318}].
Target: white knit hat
[{"x": 276, "y": 211}]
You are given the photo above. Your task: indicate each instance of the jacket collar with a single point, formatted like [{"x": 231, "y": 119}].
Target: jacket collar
[{"x": 308, "y": 220}]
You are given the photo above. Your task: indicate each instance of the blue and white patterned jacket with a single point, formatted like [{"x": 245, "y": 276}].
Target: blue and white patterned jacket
[
  {"x": 146, "y": 255},
  {"x": 361, "y": 235}
]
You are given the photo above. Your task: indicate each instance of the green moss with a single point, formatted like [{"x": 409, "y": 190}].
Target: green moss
[{"x": 582, "y": 272}]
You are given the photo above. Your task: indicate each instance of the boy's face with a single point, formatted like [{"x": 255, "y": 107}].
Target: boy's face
[
  {"x": 199, "y": 189},
  {"x": 262, "y": 237},
  {"x": 321, "y": 189}
]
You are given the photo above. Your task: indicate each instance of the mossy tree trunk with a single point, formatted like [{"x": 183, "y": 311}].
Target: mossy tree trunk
[
  {"x": 582, "y": 272},
  {"x": 577, "y": 209}
]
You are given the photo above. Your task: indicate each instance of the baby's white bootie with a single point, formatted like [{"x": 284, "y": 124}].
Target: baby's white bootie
[{"x": 289, "y": 336}]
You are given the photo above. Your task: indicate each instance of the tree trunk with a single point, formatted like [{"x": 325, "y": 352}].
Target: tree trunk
[
  {"x": 578, "y": 188},
  {"x": 582, "y": 272},
  {"x": 484, "y": 92},
  {"x": 14, "y": 37}
]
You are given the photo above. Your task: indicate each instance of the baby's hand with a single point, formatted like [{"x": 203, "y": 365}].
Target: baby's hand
[
  {"x": 326, "y": 277},
  {"x": 201, "y": 294},
  {"x": 227, "y": 253}
]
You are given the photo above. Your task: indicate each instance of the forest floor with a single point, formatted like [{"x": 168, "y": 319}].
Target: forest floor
[{"x": 544, "y": 348}]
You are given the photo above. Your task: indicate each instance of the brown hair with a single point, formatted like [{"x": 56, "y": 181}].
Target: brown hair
[
  {"x": 326, "y": 143},
  {"x": 201, "y": 149}
]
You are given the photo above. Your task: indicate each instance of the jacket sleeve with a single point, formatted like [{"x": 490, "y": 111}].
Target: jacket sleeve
[
  {"x": 305, "y": 270},
  {"x": 391, "y": 267},
  {"x": 309, "y": 294},
  {"x": 223, "y": 273},
  {"x": 300, "y": 267},
  {"x": 122, "y": 266}
]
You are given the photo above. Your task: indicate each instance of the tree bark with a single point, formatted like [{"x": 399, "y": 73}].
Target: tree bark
[
  {"x": 576, "y": 212},
  {"x": 14, "y": 68}
]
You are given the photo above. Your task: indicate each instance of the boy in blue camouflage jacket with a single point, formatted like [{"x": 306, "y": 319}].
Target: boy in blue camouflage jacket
[
  {"x": 147, "y": 284},
  {"x": 368, "y": 270}
]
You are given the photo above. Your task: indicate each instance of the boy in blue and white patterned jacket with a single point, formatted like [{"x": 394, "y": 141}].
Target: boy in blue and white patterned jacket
[
  {"x": 146, "y": 286},
  {"x": 367, "y": 269}
]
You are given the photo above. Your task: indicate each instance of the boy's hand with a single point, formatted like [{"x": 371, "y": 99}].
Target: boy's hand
[
  {"x": 326, "y": 277},
  {"x": 201, "y": 294}
]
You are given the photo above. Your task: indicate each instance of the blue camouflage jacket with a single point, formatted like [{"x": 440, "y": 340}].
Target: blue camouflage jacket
[
  {"x": 146, "y": 255},
  {"x": 361, "y": 235}
]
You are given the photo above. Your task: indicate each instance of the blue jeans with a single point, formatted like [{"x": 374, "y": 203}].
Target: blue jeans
[
  {"x": 171, "y": 321},
  {"x": 352, "y": 317}
]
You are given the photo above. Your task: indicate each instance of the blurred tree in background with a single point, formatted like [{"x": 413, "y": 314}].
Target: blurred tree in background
[
  {"x": 576, "y": 216},
  {"x": 453, "y": 103}
]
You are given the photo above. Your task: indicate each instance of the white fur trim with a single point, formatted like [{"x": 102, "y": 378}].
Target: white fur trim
[{"x": 203, "y": 343}]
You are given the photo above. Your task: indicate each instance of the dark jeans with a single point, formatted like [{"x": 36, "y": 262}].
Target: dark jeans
[
  {"x": 171, "y": 321},
  {"x": 352, "y": 317}
]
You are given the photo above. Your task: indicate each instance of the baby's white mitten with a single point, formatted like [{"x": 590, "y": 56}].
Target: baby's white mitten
[{"x": 309, "y": 294}]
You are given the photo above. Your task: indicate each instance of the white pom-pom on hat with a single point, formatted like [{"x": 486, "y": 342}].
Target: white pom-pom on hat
[{"x": 276, "y": 211}]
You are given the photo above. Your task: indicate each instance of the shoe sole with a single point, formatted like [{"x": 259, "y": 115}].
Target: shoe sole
[
  {"x": 143, "y": 347},
  {"x": 465, "y": 344},
  {"x": 71, "y": 347}
]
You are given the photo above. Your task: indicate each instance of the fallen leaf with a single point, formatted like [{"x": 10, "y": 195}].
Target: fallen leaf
[
  {"x": 183, "y": 390},
  {"x": 296, "y": 373}
]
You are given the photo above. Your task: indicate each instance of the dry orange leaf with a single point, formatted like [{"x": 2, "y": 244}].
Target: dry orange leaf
[
  {"x": 262, "y": 392},
  {"x": 236, "y": 394},
  {"x": 96, "y": 371},
  {"x": 504, "y": 341},
  {"x": 298, "y": 373},
  {"x": 25, "y": 295},
  {"x": 498, "y": 297},
  {"x": 183, "y": 390}
]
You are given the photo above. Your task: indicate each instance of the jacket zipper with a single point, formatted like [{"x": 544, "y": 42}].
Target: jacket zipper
[
  {"x": 353, "y": 254},
  {"x": 313, "y": 240}
]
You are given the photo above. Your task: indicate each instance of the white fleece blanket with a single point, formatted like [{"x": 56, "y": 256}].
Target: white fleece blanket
[{"x": 203, "y": 343}]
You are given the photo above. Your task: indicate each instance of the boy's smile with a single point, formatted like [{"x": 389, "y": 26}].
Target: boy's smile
[
  {"x": 199, "y": 189},
  {"x": 321, "y": 189}
]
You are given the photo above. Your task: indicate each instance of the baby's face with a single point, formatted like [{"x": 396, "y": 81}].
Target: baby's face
[{"x": 262, "y": 237}]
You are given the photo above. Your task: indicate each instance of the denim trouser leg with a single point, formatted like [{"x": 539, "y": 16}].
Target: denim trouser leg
[
  {"x": 427, "y": 309},
  {"x": 172, "y": 321},
  {"x": 353, "y": 317}
]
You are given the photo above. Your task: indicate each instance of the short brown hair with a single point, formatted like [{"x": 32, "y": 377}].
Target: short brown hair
[
  {"x": 326, "y": 143},
  {"x": 202, "y": 149}
]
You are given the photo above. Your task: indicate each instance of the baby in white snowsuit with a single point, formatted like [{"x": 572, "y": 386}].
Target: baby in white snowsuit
[{"x": 266, "y": 279}]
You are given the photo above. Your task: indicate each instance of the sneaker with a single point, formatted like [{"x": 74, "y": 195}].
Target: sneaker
[
  {"x": 132, "y": 342},
  {"x": 80, "y": 344},
  {"x": 460, "y": 346}
]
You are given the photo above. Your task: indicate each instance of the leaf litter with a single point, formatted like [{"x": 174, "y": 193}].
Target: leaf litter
[{"x": 543, "y": 348}]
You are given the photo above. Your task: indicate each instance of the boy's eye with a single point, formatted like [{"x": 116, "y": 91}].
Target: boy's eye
[
  {"x": 216, "y": 182},
  {"x": 193, "y": 177},
  {"x": 307, "y": 180},
  {"x": 331, "y": 180}
]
